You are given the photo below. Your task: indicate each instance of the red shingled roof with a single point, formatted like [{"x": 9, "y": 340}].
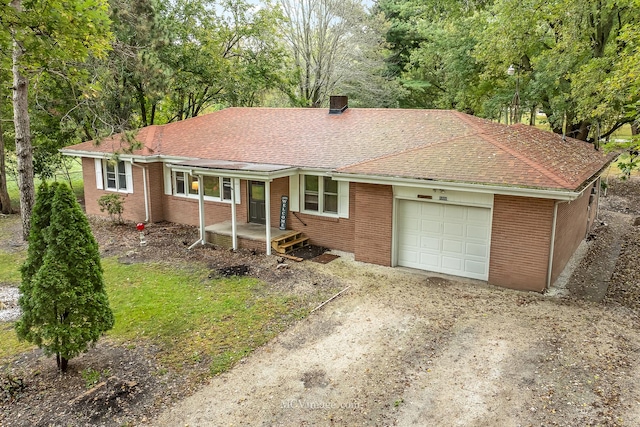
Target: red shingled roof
[{"x": 423, "y": 144}]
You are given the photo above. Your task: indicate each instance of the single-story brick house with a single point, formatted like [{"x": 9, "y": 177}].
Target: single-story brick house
[{"x": 428, "y": 189}]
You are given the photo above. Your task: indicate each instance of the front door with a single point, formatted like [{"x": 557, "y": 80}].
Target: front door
[{"x": 256, "y": 202}]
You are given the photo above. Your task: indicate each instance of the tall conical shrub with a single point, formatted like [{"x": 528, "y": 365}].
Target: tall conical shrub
[{"x": 64, "y": 303}]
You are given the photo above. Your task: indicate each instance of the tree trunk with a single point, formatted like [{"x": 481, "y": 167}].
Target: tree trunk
[
  {"x": 532, "y": 117},
  {"x": 24, "y": 150},
  {"x": 62, "y": 363},
  {"x": 142, "y": 103},
  {"x": 5, "y": 201}
]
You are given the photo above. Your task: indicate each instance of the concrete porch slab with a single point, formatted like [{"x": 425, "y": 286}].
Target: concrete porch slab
[{"x": 256, "y": 232}]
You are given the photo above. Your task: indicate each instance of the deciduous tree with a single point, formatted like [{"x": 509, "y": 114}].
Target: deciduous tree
[
  {"x": 45, "y": 33},
  {"x": 335, "y": 45},
  {"x": 567, "y": 49}
]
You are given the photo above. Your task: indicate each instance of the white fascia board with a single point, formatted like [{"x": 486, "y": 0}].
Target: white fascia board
[
  {"x": 100, "y": 155},
  {"x": 231, "y": 173},
  {"x": 88, "y": 154},
  {"x": 459, "y": 186},
  {"x": 315, "y": 171}
]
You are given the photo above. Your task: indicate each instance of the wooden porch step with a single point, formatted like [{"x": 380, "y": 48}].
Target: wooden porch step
[
  {"x": 292, "y": 235},
  {"x": 288, "y": 242}
]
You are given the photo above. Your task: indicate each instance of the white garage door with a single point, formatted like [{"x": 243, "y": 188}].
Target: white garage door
[{"x": 444, "y": 238}]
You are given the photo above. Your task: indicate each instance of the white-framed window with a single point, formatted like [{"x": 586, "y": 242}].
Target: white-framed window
[
  {"x": 114, "y": 175},
  {"x": 324, "y": 196},
  {"x": 215, "y": 188}
]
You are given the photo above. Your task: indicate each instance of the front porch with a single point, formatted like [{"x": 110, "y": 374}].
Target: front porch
[{"x": 250, "y": 236}]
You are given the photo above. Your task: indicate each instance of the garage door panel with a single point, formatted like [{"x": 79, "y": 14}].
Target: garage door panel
[
  {"x": 411, "y": 209},
  {"x": 476, "y": 249},
  {"x": 412, "y": 224},
  {"x": 478, "y": 215},
  {"x": 430, "y": 243},
  {"x": 453, "y": 229},
  {"x": 453, "y": 246},
  {"x": 453, "y": 212},
  {"x": 429, "y": 260},
  {"x": 479, "y": 268},
  {"x": 408, "y": 256},
  {"x": 452, "y": 263},
  {"x": 477, "y": 232},
  {"x": 410, "y": 240},
  {"x": 451, "y": 239},
  {"x": 429, "y": 226},
  {"x": 430, "y": 210}
]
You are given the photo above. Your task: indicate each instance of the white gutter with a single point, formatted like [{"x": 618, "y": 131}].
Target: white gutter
[
  {"x": 122, "y": 156},
  {"x": 144, "y": 186},
  {"x": 234, "y": 173},
  {"x": 565, "y": 195}
]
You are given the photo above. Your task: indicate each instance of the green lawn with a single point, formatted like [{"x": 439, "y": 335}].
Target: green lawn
[
  {"x": 192, "y": 317},
  {"x": 10, "y": 267},
  {"x": 73, "y": 177},
  {"x": 187, "y": 316},
  {"x": 10, "y": 274},
  {"x": 10, "y": 345}
]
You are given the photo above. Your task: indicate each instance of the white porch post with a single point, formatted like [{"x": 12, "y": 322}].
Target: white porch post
[
  {"x": 203, "y": 233},
  {"x": 267, "y": 208},
  {"x": 234, "y": 231}
]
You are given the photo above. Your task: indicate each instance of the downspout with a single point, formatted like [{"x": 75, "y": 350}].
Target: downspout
[
  {"x": 144, "y": 187},
  {"x": 553, "y": 240}
]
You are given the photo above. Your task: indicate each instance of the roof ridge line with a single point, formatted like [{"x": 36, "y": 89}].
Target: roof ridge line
[
  {"x": 489, "y": 138},
  {"x": 408, "y": 150}
]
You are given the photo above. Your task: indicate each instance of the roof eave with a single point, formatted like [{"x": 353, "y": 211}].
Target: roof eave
[
  {"x": 541, "y": 193},
  {"x": 138, "y": 158},
  {"x": 234, "y": 173}
]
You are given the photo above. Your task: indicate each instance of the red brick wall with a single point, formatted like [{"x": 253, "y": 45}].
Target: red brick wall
[
  {"x": 184, "y": 210},
  {"x": 374, "y": 222},
  {"x": 133, "y": 202},
  {"x": 520, "y": 241},
  {"x": 91, "y": 193},
  {"x": 155, "y": 180},
  {"x": 571, "y": 229},
  {"x": 332, "y": 233}
]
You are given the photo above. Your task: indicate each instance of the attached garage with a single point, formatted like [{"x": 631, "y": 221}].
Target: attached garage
[{"x": 444, "y": 237}]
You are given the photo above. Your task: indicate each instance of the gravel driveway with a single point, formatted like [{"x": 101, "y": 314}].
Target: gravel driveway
[{"x": 402, "y": 348}]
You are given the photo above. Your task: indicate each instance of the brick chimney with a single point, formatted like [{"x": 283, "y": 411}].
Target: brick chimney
[{"x": 337, "y": 104}]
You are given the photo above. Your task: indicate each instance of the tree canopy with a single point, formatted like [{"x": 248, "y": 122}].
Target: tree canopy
[
  {"x": 84, "y": 70},
  {"x": 566, "y": 57}
]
